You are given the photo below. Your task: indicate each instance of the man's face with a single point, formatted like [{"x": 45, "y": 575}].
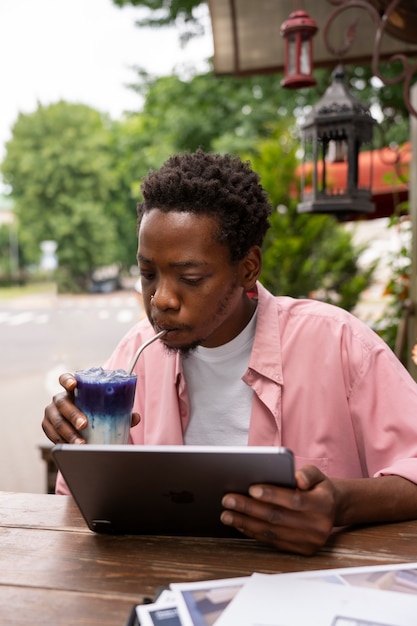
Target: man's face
[{"x": 197, "y": 292}]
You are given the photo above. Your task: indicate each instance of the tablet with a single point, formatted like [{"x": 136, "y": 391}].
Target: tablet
[{"x": 165, "y": 490}]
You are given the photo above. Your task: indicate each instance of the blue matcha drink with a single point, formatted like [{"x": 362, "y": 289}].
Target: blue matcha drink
[{"x": 106, "y": 398}]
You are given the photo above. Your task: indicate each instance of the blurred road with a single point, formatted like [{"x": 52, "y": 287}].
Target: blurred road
[{"x": 41, "y": 337}]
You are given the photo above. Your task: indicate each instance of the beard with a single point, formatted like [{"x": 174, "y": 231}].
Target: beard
[{"x": 184, "y": 351}]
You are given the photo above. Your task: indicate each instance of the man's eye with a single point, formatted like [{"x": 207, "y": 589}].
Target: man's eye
[
  {"x": 192, "y": 281},
  {"x": 147, "y": 276}
]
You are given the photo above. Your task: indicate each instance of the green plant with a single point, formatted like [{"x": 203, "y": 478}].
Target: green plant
[{"x": 398, "y": 285}]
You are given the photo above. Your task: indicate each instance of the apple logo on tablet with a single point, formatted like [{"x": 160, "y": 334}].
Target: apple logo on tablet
[{"x": 181, "y": 497}]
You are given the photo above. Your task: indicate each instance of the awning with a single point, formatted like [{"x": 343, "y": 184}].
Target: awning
[{"x": 247, "y": 39}]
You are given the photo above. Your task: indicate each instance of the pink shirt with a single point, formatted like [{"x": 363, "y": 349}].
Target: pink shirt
[{"x": 325, "y": 385}]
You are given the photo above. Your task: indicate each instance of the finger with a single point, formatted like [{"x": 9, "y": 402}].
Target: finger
[
  {"x": 58, "y": 429},
  {"x": 292, "y": 539},
  {"x": 67, "y": 381},
  {"x": 285, "y": 507},
  {"x": 67, "y": 409},
  {"x": 268, "y": 509},
  {"x": 62, "y": 420},
  {"x": 67, "y": 436},
  {"x": 135, "y": 419},
  {"x": 315, "y": 499},
  {"x": 308, "y": 477},
  {"x": 279, "y": 496},
  {"x": 302, "y": 531}
]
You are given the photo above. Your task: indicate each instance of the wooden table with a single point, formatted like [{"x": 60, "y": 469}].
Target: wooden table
[{"x": 54, "y": 571}]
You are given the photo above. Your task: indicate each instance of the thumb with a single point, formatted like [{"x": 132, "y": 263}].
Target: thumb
[{"x": 308, "y": 477}]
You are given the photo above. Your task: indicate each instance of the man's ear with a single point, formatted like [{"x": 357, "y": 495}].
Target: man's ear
[{"x": 251, "y": 267}]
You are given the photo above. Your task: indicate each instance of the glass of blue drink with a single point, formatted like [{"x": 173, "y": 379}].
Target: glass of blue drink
[{"x": 106, "y": 398}]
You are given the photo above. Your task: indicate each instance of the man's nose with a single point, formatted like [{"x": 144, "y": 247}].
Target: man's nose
[{"x": 165, "y": 298}]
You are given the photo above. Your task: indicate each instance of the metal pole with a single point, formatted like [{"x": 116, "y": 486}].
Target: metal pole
[{"x": 412, "y": 198}]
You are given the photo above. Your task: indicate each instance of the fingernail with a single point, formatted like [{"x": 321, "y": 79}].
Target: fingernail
[
  {"x": 229, "y": 502},
  {"x": 226, "y": 518},
  {"x": 256, "y": 491},
  {"x": 80, "y": 423}
]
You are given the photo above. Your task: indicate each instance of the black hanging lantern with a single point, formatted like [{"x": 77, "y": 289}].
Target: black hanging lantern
[
  {"x": 333, "y": 135},
  {"x": 298, "y": 31}
]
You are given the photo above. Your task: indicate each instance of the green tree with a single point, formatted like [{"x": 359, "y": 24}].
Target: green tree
[
  {"x": 304, "y": 254},
  {"x": 5, "y": 269},
  {"x": 190, "y": 20},
  {"x": 183, "y": 13},
  {"x": 186, "y": 114},
  {"x": 164, "y": 13},
  {"x": 71, "y": 169},
  {"x": 60, "y": 168},
  {"x": 397, "y": 288}
]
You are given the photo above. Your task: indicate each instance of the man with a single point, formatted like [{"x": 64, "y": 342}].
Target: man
[{"x": 234, "y": 369}]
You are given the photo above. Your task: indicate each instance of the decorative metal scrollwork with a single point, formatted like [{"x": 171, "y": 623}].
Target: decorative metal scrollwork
[{"x": 383, "y": 17}]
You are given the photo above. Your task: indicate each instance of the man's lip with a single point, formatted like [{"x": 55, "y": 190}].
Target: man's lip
[{"x": 167, "y": 329}]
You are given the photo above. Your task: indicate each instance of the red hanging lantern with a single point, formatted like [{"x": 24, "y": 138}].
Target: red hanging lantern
[{"x": 298, "y": 31}]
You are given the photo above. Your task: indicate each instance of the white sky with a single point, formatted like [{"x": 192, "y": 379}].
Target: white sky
[{"x": 80, "y": 51}]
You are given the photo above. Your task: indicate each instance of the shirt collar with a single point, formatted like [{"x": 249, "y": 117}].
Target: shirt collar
[{"x": 266, "y": 356}]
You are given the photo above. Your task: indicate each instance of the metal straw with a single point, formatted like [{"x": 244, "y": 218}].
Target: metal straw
[{"x": 143, "y": 346}]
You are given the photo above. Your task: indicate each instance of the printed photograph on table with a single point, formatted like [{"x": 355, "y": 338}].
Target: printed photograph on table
[
  {"x": 398, "y": 578},
  {"x": 154, "y": 615},
  {"x": 163, "y": 611},
  {"x": 202, "y": 603},
  {"x": 403, "y": 580}
]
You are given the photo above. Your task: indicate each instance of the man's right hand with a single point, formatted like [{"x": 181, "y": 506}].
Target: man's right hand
[{"x": 62, "y": 420}]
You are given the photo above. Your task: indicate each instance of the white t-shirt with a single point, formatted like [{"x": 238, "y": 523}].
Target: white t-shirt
[{"x": 220, "y": 402}]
